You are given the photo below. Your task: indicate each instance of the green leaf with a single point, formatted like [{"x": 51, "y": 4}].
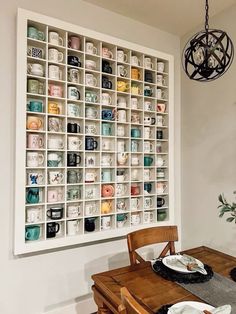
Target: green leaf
[
  {"x": 220, "y": 198},
  {"x": 229, "y": 219}
]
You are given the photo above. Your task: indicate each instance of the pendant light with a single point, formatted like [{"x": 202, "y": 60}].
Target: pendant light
[{"x": 208, "y": 54}]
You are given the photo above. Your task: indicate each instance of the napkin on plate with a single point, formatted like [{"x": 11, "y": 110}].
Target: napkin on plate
[{"x": 188, "y": 309}]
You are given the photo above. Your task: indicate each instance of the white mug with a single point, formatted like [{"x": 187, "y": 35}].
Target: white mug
[
  {"x": 73, "y": 110},
  {"x": 134, "y": 103},
  {"x": 90, "y": 160},
  {"x": 159, "y": 120},
  {"x": 34, "y": 214},
  {"x": 91, "y": 208},
  {"x": 91, "y": 112},
  {"x": 122, "y": 158},
  {"x": 73, "y": 211},
  {"x": 106, "y": 99},
  {"x": 121, "y": 71},
  {"x": 121, "y": 146},
  {"x": 72, "y": 227},
  {"x": 121, "y": 115},
  {"x": 135, "y": 174},
  {"x": 121, "y": 189},
  {"x": 54, "y": 157},
  {"x": 35, "y": 69},
  {"x": 54, "y": 195},
  {"x": 55, "y": 39},
  {"x": 120, "y": 131},
  {"x": 35, "y": 141},
  {"x": 55, "y": 143},
  {"x": 147, "y": 202},
  {"x": 160, "y": 161},
  {"x": 90, "y": 129},
  {"x": 134, "y": 160},
  {"x": 90, "y": 48},
  {"x": 55, "y": 124},
  {"x": 147, "y": 132},
  {"x": 106, "y": 160},
  {"x": 135, "y": 61},
  {"x": 134, "y": 203},
  {"x": 74, "y": 143},
  {"x": 147, "y": 105},
  {"x": 148, "y": 217},
  {"x": 146, "y": 174},
  {"x": 90, "y": 80},
  {"x": 160, "y": 94},
  {"x": 148, "y": 147},
  {"x": 34, "y": 159},
  {"x": 55, "y": 177},
  {"x": 35, "y": 178},
  {"x": 90, "y": 176},
  {"x": 160, "y": 80},
  {"x": 54, "y": 55},
  {"x": 121, "y": 56},
  {"x": 148, "y": 63},
  {"x": 106, "y": 144},
  {"x": 160, "y": 66},
  {"x": 161, "y": 188},
  {"x": 121, "y": 102},
  {"x": 73, "y": 75},
  {"x": 135, "y": 219},
  {"x": 106, "y": 222},
  {"x": 73, "y": 93}
]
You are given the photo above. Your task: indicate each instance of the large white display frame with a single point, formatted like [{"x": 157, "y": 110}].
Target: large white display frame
[{"x": 46, "y": 24}]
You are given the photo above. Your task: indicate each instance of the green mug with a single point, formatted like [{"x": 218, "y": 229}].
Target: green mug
[
  {"x": 161, "y": 214},
  {"x": 106, "y": 129},
  {"x": 121, "y": 217},
  {"x": 32, "y": 233},
  {"x": 32, "y": 195},
  {"x": 34, "y": 33},
  {"x": 148, "y": 161},
  {"x": 35, "y": 106},
  {"x": 135, "y": 133}
]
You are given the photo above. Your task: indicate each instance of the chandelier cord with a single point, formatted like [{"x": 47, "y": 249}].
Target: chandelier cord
[{"x": 207, "y": 16}]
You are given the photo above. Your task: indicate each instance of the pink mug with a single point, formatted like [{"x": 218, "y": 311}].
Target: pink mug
[
  {"x": 55, "y": 90},
  {"x": 35, "y": 141},
  {"x": 74, "y": 42},
  {"x": 54, "y": 196}
]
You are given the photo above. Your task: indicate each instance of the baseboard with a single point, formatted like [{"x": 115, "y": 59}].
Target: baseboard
[{"x": 86, "y": 306}]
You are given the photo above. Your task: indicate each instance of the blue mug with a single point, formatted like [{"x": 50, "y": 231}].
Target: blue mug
[
  {"x": 135, "y": 133},
  {"x": 106, "y": 129},
  {"x": 107, "y": 114},
  {"x": 35, "y": 106},
  {"x": 32, "y": 196},
  {"x": 32, "y": 233},
  {"x": 148, "y": 161},
  {"x": 147, "y": 187},
  {"x": 106, "y": 175}
]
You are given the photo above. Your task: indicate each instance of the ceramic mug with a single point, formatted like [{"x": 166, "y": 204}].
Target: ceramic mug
[
  {"x": 32, "y": 195},
  {"x": 135, "y": 174},
  {"x": 106, "y": 99},
  {"x": 73, "y": 110},
  {"x": 35, "y": 106},
  {"x": 55, "y": 143},
  {"x": 121, "y": 220},
  {"x": 74, "y": 143},
  {"x": 55, "y": 55},
  {"x": 90, "y": 64},
  {"x": 147, "y": 132},
  {"x": 35, "y": 69},
  {"x": 90, "y": 48},
  {"x": 147, "y": 202},
  {"x": 121, "y": 71},
  {"x": 147, "y": 161},
  {"x": 134, "y": 146},
  {"x": 73, "y": 75},
  {"x": 34, "y": 159},
  {"x": 161, "y": 214},
  {"x": 134, "y": 203},
  {"x": 32, "y": 233},
  {"x": 121, "y": 205},
  {"x": 91, "y": 208},
  {"x": 91, "y": 112},
  {"x": 121, "y": 189},
  {"x": 122, "y": 158},
  {"x": 120, "y": 130},
  {"x": 90, "y": 80},
  {"x": 121, "y": 56},
  {"x": 106, "y": 129},
  {"x": 54, "y": 72},
  {"x": 54, "y": 195},
  {"x": 73, "y": 211},
  {"x": 147, "y": 105},
  {"x": 134, "y": 103},
  {"x": 35, "y": 86},
  {"x": 106, "y": 160},
  {"x": 90, "y": 176},
  {"x": 135, "y": 61},
  {"x": 160, "y": 80},
  {"x": 148, "y": 147},
  {"x": 52, "y": 229},
  {"x": 35, "y": 178},
  {"x": 135, "y": 133},
  {"x": 106, "y": 207},
  {"x": 90, "y": 129},
  {"x": 107, "y": 190},
  {"x": 135, "y": 74},
  {"x": 54, "y": 159},
  {"x": 72, "y": 227},
  {"x": 33, "y": 32},
  {"x": 55, "y": 39},
  {"x": 55, "y": 90},
  {"x": 106, "y": 175},
  {"x": 148, "y": 217},
  {"x": 121, "y": 115},
  {"x": 148, "y": 63},
  {"x": 73, "y": 194},
  {"x": 74, "y": 61},
  {"x": 55, "y": 213},
  {"x": 53, "y": 108},
  {"x": 55, "y": 124},
  {"x": 161, "y": 107},
  {"x": 135, "y": 219},
  {"x": 34, "y": 123},
  {"x": 35, "y": 141},
  {"x": 106, "y": 222},
  {"x": 34, "y": 214},
  {"x": 160, "y": 66},
  {"x": 121, "y": 102},
  {"x": 160, "y": 94},
  {"x": 149, "y": 120},
  {"x": 74, "y": 42},
  {"x": 55, "y": 177},
  {"x": 135, "y": 189},
  {"x": 35, "y": 52},
  {"x": 74, "y": 176},
  {"x": 161, "y": 187},
  {"x": 89, "y": 224},
  {"x": 160, "y": 161},
  {"x": 122, "y": 86},
  {"x": 73, "y": 93},
  {"x": 90, "y": 160},
  {"x": 106, "y": 53}
]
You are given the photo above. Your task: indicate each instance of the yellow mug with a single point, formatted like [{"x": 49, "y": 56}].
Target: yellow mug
[
  {"x": 106, "y": 207},
  {"x": 135, "y": 74},
  {"x": 135, "y": 90},
  {"x": 34, "y": 123},
  {"x": 53, "y": 108},
  {"x": 122, "y": 86}
]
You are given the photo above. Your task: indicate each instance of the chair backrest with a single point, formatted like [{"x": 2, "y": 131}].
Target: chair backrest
[
  {"x": 131, "y": 306},
  {"x": 140, "y": 238}
]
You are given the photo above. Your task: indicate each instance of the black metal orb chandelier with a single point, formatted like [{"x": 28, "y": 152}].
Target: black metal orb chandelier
[{"x": 208, "y": 54}]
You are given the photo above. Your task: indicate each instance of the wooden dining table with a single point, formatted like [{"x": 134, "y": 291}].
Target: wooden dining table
[{"x": 149, "y": 289}]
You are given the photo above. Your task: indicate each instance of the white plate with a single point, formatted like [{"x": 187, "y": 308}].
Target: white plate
[
  {"x": 197, "y": 305},
  {"x": 168, "y": 260}
]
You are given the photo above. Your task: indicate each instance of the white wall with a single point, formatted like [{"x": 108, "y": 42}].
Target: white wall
[
  {"x": 209, "y": 151},
  {"x": 42, "y": 282}
]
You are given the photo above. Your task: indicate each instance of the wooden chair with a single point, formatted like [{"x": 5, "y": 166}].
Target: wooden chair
[
  {"x": 140, "y": 238},
  {"x": 129, "y": 304}
]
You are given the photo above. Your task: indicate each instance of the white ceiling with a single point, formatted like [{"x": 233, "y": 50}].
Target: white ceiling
[{"x": 174, "y": 16}]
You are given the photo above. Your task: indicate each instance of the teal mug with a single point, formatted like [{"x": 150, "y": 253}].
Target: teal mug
[
  {"x": 106, "y": 175},
  {"x": 34, "y": 33},
  {"x": 32, "y": 195},
  {"x": 91, "y": 96},
  {"x": 32, "y": 233},
  {"x": 121, "y": 217},
  {"x": 35, "y": 106},
  {"x": 106, "y": 129},
  {"x": 135, "y": 133},
  {"x": 148, "y": 161}
]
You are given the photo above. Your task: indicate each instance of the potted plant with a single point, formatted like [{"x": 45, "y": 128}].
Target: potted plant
[{"x": 230, "y": 209}]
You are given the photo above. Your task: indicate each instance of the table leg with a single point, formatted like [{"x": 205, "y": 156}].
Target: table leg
[{"x": 102, "y": 307}]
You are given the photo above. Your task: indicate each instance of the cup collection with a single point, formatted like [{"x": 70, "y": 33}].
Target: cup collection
[{"x": 96, "y": 154}]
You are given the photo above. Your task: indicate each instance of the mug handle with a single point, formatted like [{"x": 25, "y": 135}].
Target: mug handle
[
  {"x": 79, "y": 159},
  {"x": 57, "y": 227},
  {"x": 48, "y": 215},
  {"x": 29, "y": 68},
  {"x": 27, "y": 235},
  {"x": 96, "y": 146},
  {"x": 41, "y": 35},
  {"x": 111, "y": 54},
  {"x": 151, "y": 147},
  {"x": 60, "y": 41},
  {"x": 95, "y": 51},
  {"x": 165, "y": 187},
  {"x": 40, "y": 123},
  {"x": 151, "y": 202},
  {"x": 125, "y": 57},
  {"x": 61, "y": 176},
  {"x": 114, "y": 114},
  {"x": 41, "y": 156},
  {"x": 95, "y": 81},
  {"x": 110, "y": 84},
  {"x": 110, "y": 100},
  {"x": 60, "y": 56},
  {"x": 41, "y": 176},
  {"x": 154, "y": 120}
]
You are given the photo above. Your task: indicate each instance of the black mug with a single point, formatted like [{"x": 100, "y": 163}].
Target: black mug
[
  {"x": 73, "y": 127},
  {"x": 52, "y": 229},
  {"x": 90, "y": 143},
  {"x": 148, "y": 77},
  {"x": 160, "y": 201},
  {"x": 106, "y": 67},
  {"x": 55, "y": 212},
  {"x": 148, "y": 187},
  {"x": 73, "y": 159},
  {"x": 89, "y": 224},
  {"x": 159, "y": 134},
  {"x": 106, "y": 83},
  {"x": 73, "y": 60}
]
